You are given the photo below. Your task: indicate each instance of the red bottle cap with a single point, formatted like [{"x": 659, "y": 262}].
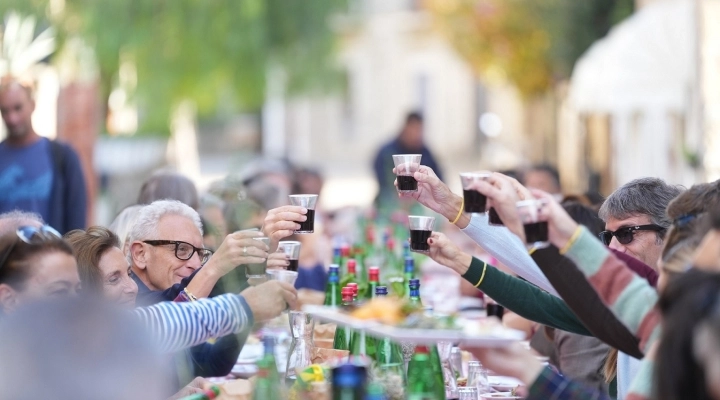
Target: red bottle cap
[
  {"x": 352, "y": 266},
  {"x": 374, "y": 273},
  {"x": 422, "y": 349},
  {"x": 391, "y": 244},
  {"x": 354, "y": 287},
  {"x": 345, "y": 250}
]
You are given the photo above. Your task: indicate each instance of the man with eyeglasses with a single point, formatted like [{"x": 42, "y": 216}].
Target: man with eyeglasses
[{"x": 635, "y": 218}]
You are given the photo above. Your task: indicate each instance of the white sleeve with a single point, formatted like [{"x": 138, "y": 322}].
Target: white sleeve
[
  {"x": 180, "y": 325},
  {"x": 508, "y": 249}
]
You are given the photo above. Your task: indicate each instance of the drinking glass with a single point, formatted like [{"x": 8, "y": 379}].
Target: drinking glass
[
  {"x": 420, "y": 230},
  {"x": 302, "y": 326},
  {"x": 307, "y": 201},
  {"x": 475, "y": 202},
  {"x": 478, "y": 377},
  {"x": 494, "y": 218},
  {"x": 535, "y": 226},
  {"x": 406, "y": 165},
  {"x": 256, "y": 272},
  {"x": 282, "y": 276},
  {"x": 467, "y": 393},
  {"x": 495, "y": 310},
  {"x": 292, "y": 250}
]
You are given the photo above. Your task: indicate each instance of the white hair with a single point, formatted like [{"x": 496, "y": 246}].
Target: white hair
[
  {"x": 124, "y": 222},
  {"x": 148, "y": 218},
  {"x": 12, "y": 220}
]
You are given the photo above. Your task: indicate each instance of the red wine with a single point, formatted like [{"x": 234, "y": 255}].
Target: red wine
[
  {"x": 494, "y": 218},
  {"x": 418, "y": 240},
  {"x": 309, "y": 225},
  {"x": 293, "y": 266},
  {"x": 475, "y": 202},
  {"x": 406, "y": 182},
  {"x": 536, "y": 232}
]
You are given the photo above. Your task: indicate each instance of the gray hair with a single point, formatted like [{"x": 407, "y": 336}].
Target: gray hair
[
  {"x": 644, "y": 196},
  {"x": 124, "y": 222},
  {"x": 166, "y": 184},
  {"x": 11, "y": 221},
  {"x": 148, "y": 217}
]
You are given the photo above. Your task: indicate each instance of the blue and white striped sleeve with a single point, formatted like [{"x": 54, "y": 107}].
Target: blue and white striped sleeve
[{"x": 180, "y": 325}]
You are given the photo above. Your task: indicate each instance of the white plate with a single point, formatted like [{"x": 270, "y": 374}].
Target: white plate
[
  {"x": 504, "y": 383},
  {"x": 497, "y": 337},
  {"x": 250, "y": 353},
  {"x": 244, "y": 371},
  {"x": 498, "y": 395}
]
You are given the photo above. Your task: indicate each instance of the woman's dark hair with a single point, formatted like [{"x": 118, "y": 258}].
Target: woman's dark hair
[
  {"x": 585, "y": 216},
  {"x": 685, "y": 303},
  {"x": 89, "y": 247},
  {"x": 17, "y": 267}
]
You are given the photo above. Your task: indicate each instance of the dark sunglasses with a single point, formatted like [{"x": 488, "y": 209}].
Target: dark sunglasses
[
  {"x": 627, "y": 234},
  {"x": 183, "y": 250},
  {"x": 31, "y": 235}
]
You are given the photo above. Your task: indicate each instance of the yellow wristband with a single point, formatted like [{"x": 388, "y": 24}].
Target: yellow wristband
[
  {"x": 462, "y": 207},
  {"x": 482, "y": 276},
  {"x": 572, "y": 240},
  {"x": 531, "y": 251}
]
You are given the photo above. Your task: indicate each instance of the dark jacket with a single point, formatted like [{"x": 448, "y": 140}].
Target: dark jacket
[
  {"x": 68, "y": 197},
  {"x": 209, "y": 359}
]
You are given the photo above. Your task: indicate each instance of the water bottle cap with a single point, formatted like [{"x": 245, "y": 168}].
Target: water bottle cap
[
  {"x": 334, "y": 268},
  {"x": 374, "y": 273},
  {"x": 354, "y": 287},
  {"x": 347, "y": 290},
  {"x": 381, "y": 291},
  {"x": 422, "y": 349},
  {"x": 345, "y": 250},
  {"x": 349, "y": 375}
]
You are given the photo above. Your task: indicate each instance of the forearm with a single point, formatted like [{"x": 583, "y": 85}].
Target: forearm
[
  {"x": 203, "y": 282},
  {"x": 178, "y": 326},
  {"x": 508, "y": 249},
  {"x": 630, "y": 297},
  {"x": 523, "y": 298},
  {"x": 452, "y": 208}
]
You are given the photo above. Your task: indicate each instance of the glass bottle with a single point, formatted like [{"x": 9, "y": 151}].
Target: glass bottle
[
  {"x": 373, "y": 282},
  {"x": 409, "y": 272},
  {"x": 422, "y": 383},
  {"x": 389, "y": 356},
  {"x": 265, "y": 388},
  {"x": 349, "y": 382},
  {"x": 332, "y": 289},
  {"x": 351, "y": 274},
  {"x": 342, "y": 334}
]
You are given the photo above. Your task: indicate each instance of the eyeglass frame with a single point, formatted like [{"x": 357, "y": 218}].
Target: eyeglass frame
[
  {"x": 27, "y": 234},
  {"x": 177, "y": 244},
  {"x": 631, "y": 231}
]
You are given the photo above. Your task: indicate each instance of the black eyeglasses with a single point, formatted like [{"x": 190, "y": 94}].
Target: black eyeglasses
[
  {"x": 31, "y": 235},
  {"x": 627, "y": 234},
  {"x": 183, "y": 250}
]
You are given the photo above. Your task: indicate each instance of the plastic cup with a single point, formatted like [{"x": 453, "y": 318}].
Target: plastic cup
[
  {"x": 292, "y": 251},
  {"x": 406, "y": 165},
  {"x": 536, "y": 228},
  {"x": 307, "y": 201},
  {"x": 475, "y": 202},
  {"x": 420, "y": 230},
  {"x": 256, "y": 272}
]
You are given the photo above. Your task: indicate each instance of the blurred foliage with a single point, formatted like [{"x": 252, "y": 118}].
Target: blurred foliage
[
  {"x": 532, "y": 43},
  {"x": 214, "y": 52}
]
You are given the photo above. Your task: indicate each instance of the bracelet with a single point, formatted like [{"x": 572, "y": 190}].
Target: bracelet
[
  {"x": 462, "y": 206},
  {"x": 531, "y": 251},
  {"x": 189, "y": 295},
  {"x": 572, "y": 240},
  {"x": 482, "y": 276}
]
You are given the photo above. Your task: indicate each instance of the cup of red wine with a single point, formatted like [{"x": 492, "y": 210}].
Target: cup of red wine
[
  {"x": 256, "y": 272},
  {"x": 406, "y": 165},
  {"x": 494, "y": 218},
  {"x": 307, "y": 201},
  {"x": 534, "y": 225},
  {"x": 495, "y": 310},
  {"x": 292, "y": 250},
  {"x": 420, "y": 230},
  {"x": 475, "y": 202}
]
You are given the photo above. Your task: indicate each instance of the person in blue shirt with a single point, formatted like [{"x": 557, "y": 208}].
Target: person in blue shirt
[
  {"x": 409, "y": 141},
  {"x": 36, "y": 174}
]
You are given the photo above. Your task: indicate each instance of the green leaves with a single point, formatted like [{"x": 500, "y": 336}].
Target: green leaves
[{"x": 211, "y": 51}]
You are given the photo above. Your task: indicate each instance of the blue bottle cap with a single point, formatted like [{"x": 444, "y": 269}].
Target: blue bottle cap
[
  {"x": 349, "y": 375},
  {"x": 414, "y": 283},
  {"x": 409, "y": 264},
  {"x": 334, "y": 268},
  {"x": 269, "y": 344},
  {"x": 381, "y": 291}
]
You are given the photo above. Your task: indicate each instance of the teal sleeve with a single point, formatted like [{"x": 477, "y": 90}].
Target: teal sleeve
[{"x": 524, "y": 298}]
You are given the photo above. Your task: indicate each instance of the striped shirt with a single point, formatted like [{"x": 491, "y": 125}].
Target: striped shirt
[{"x": 181, "y": 325}]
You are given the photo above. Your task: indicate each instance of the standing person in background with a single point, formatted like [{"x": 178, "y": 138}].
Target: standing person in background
[
  {"x": 37, "y": 174},
  {"x": 409, "y": 141},
  {"x": 544, "y": 177}
]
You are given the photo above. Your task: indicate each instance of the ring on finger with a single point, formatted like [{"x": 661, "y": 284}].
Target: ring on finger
[{"x": 245, "y": 250}]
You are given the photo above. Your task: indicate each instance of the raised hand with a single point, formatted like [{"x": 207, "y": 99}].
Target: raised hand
[
  {"x": 277, "y": 260},
  {"x": 446, "y": 253},
  {"x": 561, "y": 226},
  {"x": 269, "y": 299},
  {"x": 435, "y": 195},
  {"x": 238, "y": 248},
  {"x": 282, "y": 222}
]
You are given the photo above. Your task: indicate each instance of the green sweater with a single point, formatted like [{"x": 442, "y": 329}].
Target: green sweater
[{"x": 524, "y": 298}]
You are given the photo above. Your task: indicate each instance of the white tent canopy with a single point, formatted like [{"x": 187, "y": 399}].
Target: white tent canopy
[{"x": 646, "y": 61}]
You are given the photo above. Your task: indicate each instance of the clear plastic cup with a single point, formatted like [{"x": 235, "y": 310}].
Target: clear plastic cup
[
  {"x": 535, "y": 226},
  {"x": 406, "y": 165},
  {"x": 420, "y": 230},
  {"x": 307, "y": 201},
  {"x": 475, "y": 202},
  {"x": 292, "y": 251}
]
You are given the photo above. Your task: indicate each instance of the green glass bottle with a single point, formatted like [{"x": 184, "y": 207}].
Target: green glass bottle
[
  {"x": 341, "y": 341},
  {"x": 422, "y": 382},
  {"x": 269, "y": 359},
  {"x": 388, "y": 356},
  {"x": 344, "y": 257},
  {"x": 332, "y": 289},
  {"x": 414, "y": 292},
  {"x": 373, "y": 282},
  {"x": 409, "y": 272},
  {"x": 351, "y": 274},
  {"x": 265, "y": 388},
  {"x": 337, "y": 256}
]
